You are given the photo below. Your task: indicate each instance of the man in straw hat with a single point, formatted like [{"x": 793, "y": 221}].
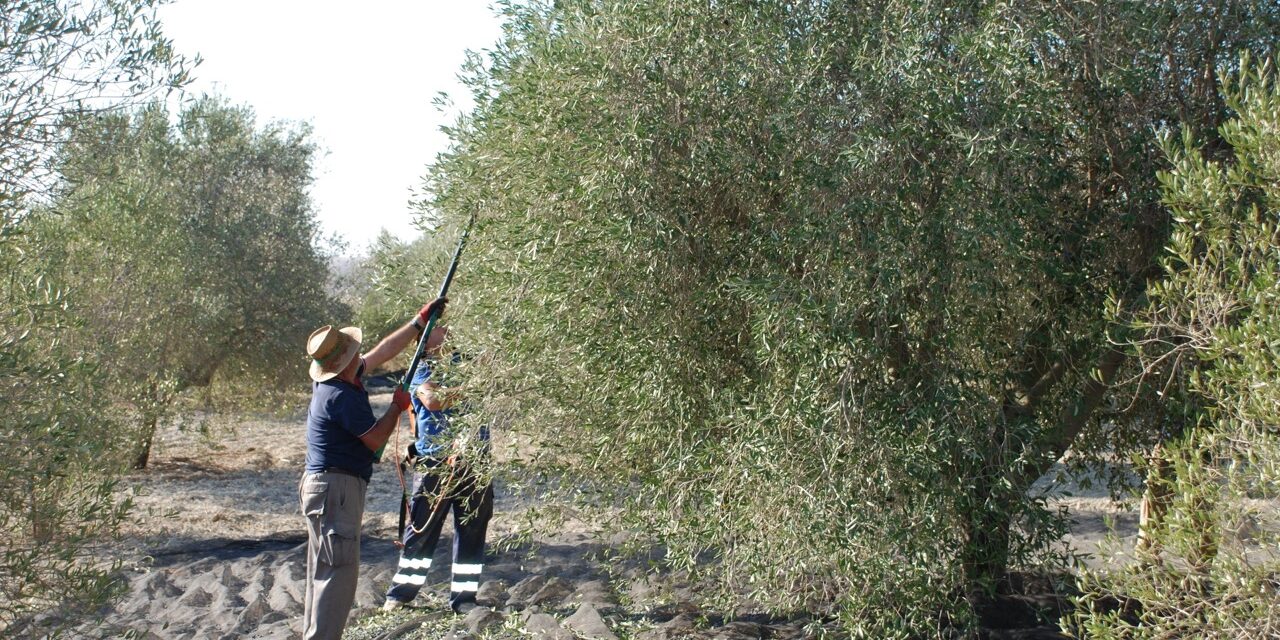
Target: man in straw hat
[{"x": 342, "y": 436}]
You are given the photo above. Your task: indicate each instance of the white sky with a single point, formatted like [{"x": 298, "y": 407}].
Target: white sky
[{"x": 364, "y": 74}]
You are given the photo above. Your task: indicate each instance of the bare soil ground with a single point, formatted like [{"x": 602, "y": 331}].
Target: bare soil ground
[
  {"x": 217, "y": 547},
  {"x": 217, "y": 551}
]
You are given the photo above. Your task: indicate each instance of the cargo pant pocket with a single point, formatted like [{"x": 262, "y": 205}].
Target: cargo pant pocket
[
  {"x": 312, "y": 496},
  {"x": 341, "y": 545},
  {"x": 334, "y": 522},
  {"x": 344, "y": 511}
]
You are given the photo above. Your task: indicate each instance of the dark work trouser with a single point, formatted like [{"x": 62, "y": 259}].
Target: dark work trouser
[{"x": 437, "y": 491}]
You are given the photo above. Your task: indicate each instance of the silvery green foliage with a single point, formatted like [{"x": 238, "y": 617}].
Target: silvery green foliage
[
  {"x": 1208, "y": 563},
  {"x": 60, "y": 58},
  {"x": 58, "y": 453},
  {"x": 811, "y": 291},
  {"x": 195, "y": 243},
  {"x": 59, "y": 460}
]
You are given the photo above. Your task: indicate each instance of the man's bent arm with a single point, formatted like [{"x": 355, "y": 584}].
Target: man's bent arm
[
  {"x": 393, "y": 344},
  {"x": 382, "y": 429},
  {"x": 438, "y": 398}
]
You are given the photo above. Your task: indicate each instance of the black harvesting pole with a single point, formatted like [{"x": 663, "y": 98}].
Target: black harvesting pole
[
  {"x": 435, "y": 313},
  {"x": 431, "y": 321},
  {"x": 417, "y": 358}
]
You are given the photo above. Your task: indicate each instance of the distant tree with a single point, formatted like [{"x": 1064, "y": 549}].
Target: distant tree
[
  {"x": 57, "y": 460},
  {"x": 194, "y": 250},
  {"x": 59, "y": 58},
  {"x": 823, "y": 287},
  {"x": 1210, "y": 550}
]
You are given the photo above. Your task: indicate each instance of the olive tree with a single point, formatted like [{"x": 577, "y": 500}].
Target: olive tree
[
  {"x": 194, "y": 251},
  {"x": 58, "y": 503},
  {"x": 57, "y": 481},
  {"x": 60, "y": 58},
  {"x": 819, "y": 290},
  {"x": 1207, "y": 561}
]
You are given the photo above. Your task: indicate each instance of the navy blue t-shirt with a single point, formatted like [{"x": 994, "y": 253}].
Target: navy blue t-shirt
[
  {"x": 433, "y": 426},
  {"x": 338, "y": 416}
]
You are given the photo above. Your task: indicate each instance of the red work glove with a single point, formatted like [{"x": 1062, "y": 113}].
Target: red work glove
[
  {"x": 425, "y": 313},
  {"x": 400, "y": 399}
]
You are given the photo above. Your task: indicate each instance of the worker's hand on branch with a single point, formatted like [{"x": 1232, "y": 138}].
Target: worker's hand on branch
[
  {"x": 400, "y": 400},
  {"x": 425, "y": 313}
]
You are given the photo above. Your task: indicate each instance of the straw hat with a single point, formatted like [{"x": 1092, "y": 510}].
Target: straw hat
[{"x": 331, "y": 350}]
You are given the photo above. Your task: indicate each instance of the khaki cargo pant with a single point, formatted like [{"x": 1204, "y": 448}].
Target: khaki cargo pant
[{"x": 333, "y": 504}]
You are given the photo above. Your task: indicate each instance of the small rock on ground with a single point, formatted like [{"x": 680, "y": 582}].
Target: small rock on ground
[
  {"x": 595, "y": 592},
  {"x": 523, "y": 591},
  {"x": 681, "y": 626},
  {"x": 552, "y": 593},
  {"x": 739, "y": 630},
  {"x": 492, "y": 594},
  {"x": 545, "y": 627},
  {"x": 482, "y": 618},
  {"x": 588, "y": 623},
  {"x": 644, "y": 590}
]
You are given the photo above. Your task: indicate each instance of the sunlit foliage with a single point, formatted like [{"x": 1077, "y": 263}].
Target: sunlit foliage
[
  {"x": 57, "y": 505},
  {"x": 818, "y": 290},
  {"x": 1207, "y": 562},
  {"x": 193, "y": 251}
]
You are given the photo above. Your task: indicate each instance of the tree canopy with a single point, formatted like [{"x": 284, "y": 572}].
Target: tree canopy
[
  {"x": 1209, "y": 337},
  {"x": 58, "y": 59},
  {"x": 821, "y": 289},
  {"x": 193, "y": 250}
]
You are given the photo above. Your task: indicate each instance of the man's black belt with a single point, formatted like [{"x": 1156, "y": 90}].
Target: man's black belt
[{"x": 344, "y": 472}]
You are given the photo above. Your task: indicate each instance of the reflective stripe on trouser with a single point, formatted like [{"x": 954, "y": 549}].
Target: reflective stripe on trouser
[
  {"x": 333, "y": 504},
  {"x": 412, "y": 571},
  {"x": 472, "y": 508},
  {"x": 466, "y": 579}
]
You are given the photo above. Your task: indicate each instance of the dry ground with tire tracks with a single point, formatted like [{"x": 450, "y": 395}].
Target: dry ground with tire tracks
[{"x": 216, "y": 551}]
